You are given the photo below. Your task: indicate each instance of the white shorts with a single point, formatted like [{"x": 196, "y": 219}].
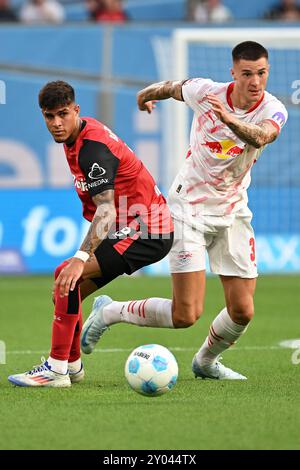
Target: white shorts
[{"x": 229, "y": 242}]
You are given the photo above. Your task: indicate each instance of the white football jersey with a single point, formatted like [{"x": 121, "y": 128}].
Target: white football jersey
[{"x": 216, "y": 173}]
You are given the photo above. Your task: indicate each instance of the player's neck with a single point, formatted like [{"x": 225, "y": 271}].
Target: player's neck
[
  {"x": 75, "y": 133},
  {"x": 239, "y": 101}
]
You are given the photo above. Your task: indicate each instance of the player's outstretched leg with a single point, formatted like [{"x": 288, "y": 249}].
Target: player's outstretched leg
[
  {"x": 217, "y": 370},
  {"x": 223, "y": 333},
  {"x": 40, "y": 376},
  {"x": 94, "y": 326},
  {"x": 154, "y": 312}
]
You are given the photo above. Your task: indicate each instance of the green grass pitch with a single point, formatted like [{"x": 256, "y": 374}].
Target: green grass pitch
[{"x": 102, "y": 412}]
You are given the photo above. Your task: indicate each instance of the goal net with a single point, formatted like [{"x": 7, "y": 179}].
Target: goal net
[{"x": 275, "y": 189}]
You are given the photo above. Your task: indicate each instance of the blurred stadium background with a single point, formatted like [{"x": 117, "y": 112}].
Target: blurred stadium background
[{"x": 40, "y": 217}]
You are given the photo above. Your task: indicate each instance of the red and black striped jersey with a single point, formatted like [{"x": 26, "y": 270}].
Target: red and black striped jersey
[{"x": 99, "y": 160}]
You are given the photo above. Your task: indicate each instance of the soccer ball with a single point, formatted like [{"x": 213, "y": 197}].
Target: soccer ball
[{"x": 151, "y": 370}]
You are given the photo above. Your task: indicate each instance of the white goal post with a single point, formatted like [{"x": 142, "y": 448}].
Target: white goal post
[{"x": 279, "y": 38}]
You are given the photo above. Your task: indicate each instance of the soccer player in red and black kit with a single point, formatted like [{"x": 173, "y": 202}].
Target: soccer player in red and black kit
[{"x": 130, "y": 228}]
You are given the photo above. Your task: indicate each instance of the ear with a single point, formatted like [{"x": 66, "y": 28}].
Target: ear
[
  {"x": 232, "y": 73},
  {"x": 77, "y": 108}
]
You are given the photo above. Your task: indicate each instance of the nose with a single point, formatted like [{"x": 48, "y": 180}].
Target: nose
[
  {"x": 56, "y": 121},
  {"x": 255, "y": 80}
]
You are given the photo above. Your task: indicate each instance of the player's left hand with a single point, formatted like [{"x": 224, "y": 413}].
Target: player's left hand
[
  {"x": 218, "y": 108},
  {"x": 68, "y": 276}
]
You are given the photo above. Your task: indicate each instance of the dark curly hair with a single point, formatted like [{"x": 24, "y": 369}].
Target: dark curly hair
[
  {"x": 249, "y": 50},
  {"x": 55, "y": 94}
]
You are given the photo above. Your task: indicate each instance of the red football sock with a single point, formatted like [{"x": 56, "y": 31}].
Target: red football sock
[
  {"x": 67, "y": 314},
  {"x": 75, "y": 348}
]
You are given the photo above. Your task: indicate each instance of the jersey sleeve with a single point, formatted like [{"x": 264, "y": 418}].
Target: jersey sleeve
[
  {"x": 194, "y": 90},
  {"x": 99, "y": 165},
  {"x": 276, "y": 113}
]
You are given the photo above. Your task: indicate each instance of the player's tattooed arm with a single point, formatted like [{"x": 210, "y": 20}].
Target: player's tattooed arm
[
  {"x": 256, "y": 135},
  {"x": 104, "y": 217},
  {"x": 147, "y": 97}
]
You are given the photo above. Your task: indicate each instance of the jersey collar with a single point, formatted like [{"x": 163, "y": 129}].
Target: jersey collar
[{"x": 229, "y": 101}]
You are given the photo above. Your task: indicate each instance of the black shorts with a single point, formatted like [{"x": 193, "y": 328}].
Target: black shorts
[{"x": 127, "y": 254}]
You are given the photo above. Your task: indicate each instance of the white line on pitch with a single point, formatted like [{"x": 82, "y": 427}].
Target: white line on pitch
[{"x": 175, "y": 348}]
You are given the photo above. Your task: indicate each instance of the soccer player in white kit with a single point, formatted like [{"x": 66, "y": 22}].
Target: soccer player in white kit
[{"x": 232, "y": 124}]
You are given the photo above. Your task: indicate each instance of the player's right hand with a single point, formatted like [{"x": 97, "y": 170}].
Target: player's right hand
[
  {"x": 148, "y": 106},
  {"x": 68, "y": 277}
]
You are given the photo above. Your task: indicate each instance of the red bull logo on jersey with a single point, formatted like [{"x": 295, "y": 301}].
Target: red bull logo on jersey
[{"x": 224, "y": 149}]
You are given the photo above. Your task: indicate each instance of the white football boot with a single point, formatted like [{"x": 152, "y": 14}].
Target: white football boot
[
  {"x": 76, "y": 376},
  {"x": 215, "y": 371},
  {"x": 94, "y": 327},
  {"x": 41, "y": 376}
]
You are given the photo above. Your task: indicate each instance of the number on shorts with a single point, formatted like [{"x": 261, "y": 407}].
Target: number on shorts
[{"x": 252, "y": 246}]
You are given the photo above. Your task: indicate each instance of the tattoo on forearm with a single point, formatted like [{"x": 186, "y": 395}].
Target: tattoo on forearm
[
  {"x": 103, "y": 219},
  {"x": 253, "y": 134},
  {"x": 161, "y": 91}
]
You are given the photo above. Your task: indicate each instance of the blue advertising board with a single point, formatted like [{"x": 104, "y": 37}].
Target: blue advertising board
[{"x": 40, "y": 228}]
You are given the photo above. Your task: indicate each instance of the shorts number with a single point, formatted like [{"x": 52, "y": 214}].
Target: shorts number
[{"x": 252, "y": 247}]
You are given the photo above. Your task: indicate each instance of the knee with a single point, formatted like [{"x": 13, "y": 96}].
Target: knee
[
  {"x": 59, "y": 269},
  {"x": 186, "y": 314},
  {"x": 242, "y": 312}
]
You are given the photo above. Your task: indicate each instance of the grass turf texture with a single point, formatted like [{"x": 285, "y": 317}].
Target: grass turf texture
[{"x": 102, "y": 412}]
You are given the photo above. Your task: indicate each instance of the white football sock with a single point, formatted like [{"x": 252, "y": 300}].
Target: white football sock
[
  {"x": 155, "y": 312},
  {"x": 223, "y": 333},
  {"x": 74, "y": 366},
  {"x": 61, "y": 367}
]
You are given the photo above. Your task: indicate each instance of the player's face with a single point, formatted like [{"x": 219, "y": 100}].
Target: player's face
[
  {"x": 63, "y": 122},
  {"x": 251, "y": 78}
]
